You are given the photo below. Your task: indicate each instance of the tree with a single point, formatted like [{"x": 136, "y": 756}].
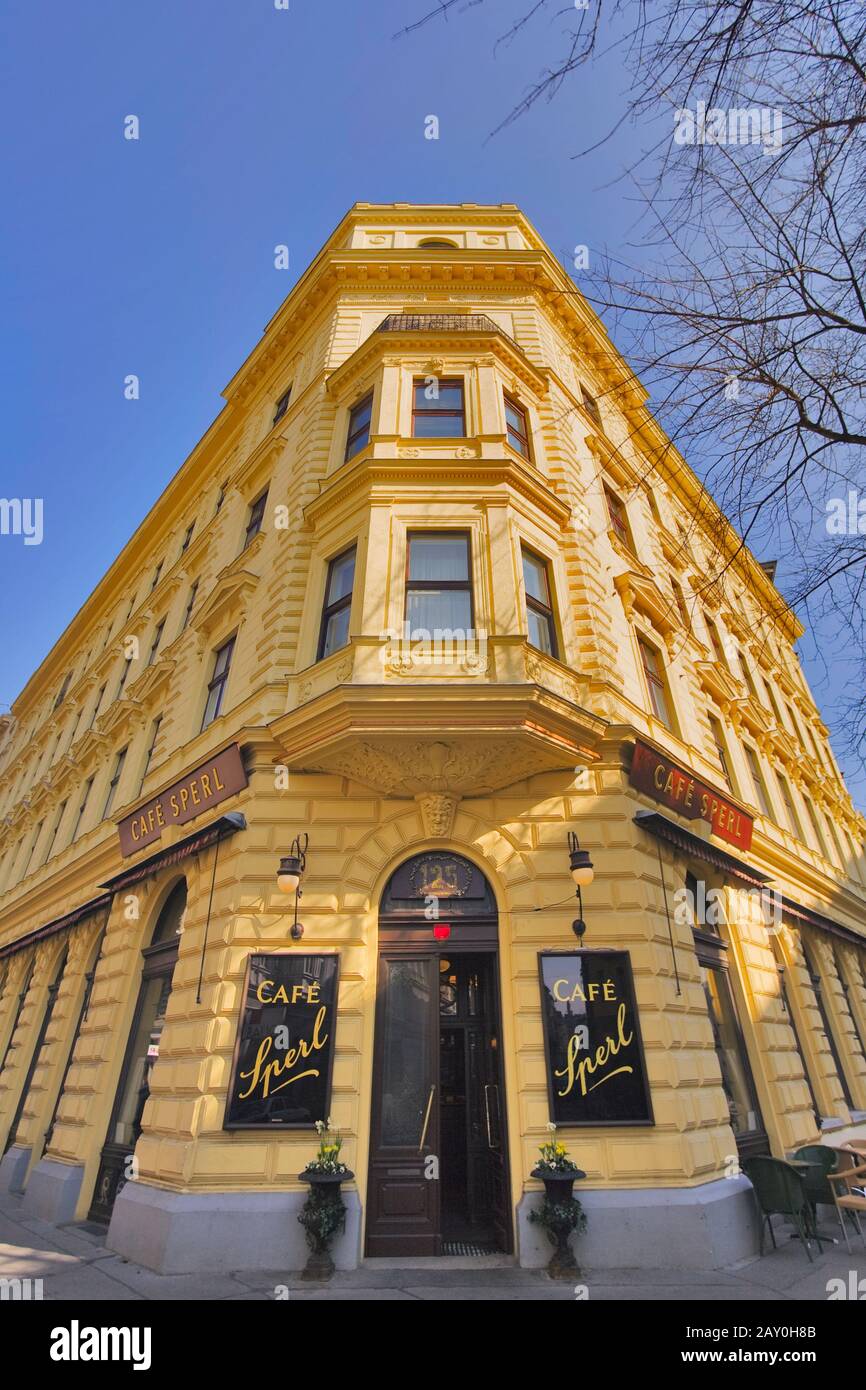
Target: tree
[{"x": 740, "y": 300}]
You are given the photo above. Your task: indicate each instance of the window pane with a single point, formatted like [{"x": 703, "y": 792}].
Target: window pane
[
  {"x": 539, "y": 631},
  {"x": 439, "y": 557},
  {"x": 535, "y": 578},
  {"x": 342, "y": 577},
  {"x": 447, "y": 395},
  {"x": 143, "y": 1052},
  {"x": 361, "y": 415},
  {"x": 336, "y": 631},
  {"x": 742, "y": 1106},
  {"x": 515, "y": 418},
  {"x": 438, "y": 609},
  {"x": 405, "y": 1051},
  {"x": 438, "y": 426}
]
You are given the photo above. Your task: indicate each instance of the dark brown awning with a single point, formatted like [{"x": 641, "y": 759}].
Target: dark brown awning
[
  {"x": 822, "y": 923},
  {"x": 68, "y": 919},
  {"x": 200, "y": 839},
  {"x": 684, "y": 840}
]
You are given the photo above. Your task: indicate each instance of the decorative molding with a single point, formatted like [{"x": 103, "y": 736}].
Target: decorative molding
[{"x": 438, "y": 810}]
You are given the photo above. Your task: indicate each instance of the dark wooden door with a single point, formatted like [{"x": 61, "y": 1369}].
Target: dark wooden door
[{"x": 403, "y": 1190}]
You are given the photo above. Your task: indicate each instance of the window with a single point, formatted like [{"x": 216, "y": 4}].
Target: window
[
  {"x": 618, "y": 517},
  {"x": 715, "y": 640},
  {"x": 154, "y": 646},
  {"x": 539, "y": 609},
  {"x": 31, "y": 858},
  {"x": 221, "y": 497},
  {"x": 148, "y": 757},
  {"x": 434, "y": 245},
  {"x": 282, "y": 406},
  {"x": 843, "y": 981},
  {"x": 358, "y": 434},
  {"x": 96, "y": 707},
  {"x": 187, "y": 537},
  {"x": 749, "y": 678},
  {"x": 737, "y": 1081},
  {"x": 438, "y": 586},
  {"x": 790, "y": 807},
  {"x": 818, "y": 990},
  {"x": 257, "y": 513},
  {"x": 123, "y": 675},
  {"x": 81, "y": 808},
  {"x": 115, "y": 778},
  {"x": 762, "y": 798},
  {"x": 437, "y": 409},
  {"x": 334, "y": 630},
  {"x": 792, "y": 1023},
  {"x": 655, "y": 679},
  {"x": 58, "y": 818},
  {"x": 721, "y": 749},
  {"x": 590, "y": 405},
  {"x": 517, "y": 427},
  {"x": 190, "y": 604},
  {"x": 156, "y": 574},
  {"x": 61, "y": 694},
  {"x": 816, "y": 828},
  {"x": 682, "y": 606},
  {"x": 218, "y": 681}
]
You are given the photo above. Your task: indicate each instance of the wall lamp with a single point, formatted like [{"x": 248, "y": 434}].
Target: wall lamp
[
  {"x": 582, "y": 873},
  {"x": 289, "y": 876}
]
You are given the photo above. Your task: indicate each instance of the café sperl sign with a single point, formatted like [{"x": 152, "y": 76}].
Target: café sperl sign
[
  {"x": 679, "y": 790},
  {"x": 220, "y": 777}
]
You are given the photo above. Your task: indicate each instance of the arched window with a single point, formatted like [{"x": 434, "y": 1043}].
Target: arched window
[
  {"x": 434, "y": 244},
  {"x": 142, "y": 1051}
]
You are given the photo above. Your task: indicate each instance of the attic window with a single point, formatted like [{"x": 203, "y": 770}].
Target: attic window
[{"x": 436, "y": 245}]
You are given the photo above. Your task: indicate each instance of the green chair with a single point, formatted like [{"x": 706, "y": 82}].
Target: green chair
[
  {"x": 781, "y": 1191},
  {"x": 823, "y": 1161}
]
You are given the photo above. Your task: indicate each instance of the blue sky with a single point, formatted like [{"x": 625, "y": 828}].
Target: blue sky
[{"x": 258, "y": 126}]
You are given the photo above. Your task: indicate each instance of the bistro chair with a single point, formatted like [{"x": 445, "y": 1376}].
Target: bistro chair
[
  {"x": 848, "y": 1184},
  {"x": 822, "y": 1161},
  {"x": 781, "y": 1191}
]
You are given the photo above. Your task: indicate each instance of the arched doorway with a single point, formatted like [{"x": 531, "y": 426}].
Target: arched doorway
[
  {"x": 142, "y": 1049},
  {"x": 438, "y": 1180}
]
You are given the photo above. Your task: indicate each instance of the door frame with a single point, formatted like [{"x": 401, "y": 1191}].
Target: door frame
[{"x": 407, "y": 934}]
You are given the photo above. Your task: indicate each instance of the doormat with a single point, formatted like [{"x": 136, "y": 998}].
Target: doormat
[{"x": 465, "y": 1247}]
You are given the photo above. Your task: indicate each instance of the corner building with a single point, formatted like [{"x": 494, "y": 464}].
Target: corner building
[{"x": 432, "y": 591}]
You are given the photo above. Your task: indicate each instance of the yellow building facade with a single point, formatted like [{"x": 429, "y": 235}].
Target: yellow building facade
[{"x": 432, "y": 592}]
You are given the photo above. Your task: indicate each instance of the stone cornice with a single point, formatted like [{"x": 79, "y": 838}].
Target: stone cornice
[{"x": 367, "y": 476}]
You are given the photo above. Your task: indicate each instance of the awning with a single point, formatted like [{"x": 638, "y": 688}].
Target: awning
[
  {"x": 68, "y": 919},
  {"x": 200, "y": 839},
  {"x": 687, "y": 843},
  {"x": 822, "y": 923}
]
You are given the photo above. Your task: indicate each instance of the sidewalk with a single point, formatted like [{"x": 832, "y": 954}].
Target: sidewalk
[{"x": 74, "y": 1265}]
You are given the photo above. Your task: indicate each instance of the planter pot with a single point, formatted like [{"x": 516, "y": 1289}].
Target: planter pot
[
  {"x": 324, "y": 1197},
  {"x": 558, "y": 1190}
]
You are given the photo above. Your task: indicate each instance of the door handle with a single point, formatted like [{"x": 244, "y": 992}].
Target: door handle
[
  {"x": 491, "y": 1086},
  {"x": 427, "y": 1117}
]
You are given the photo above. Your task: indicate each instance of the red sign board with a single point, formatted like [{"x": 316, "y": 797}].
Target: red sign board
[
  {"x": 679, "y": 790},
  {"x": 206, "y": 786}
]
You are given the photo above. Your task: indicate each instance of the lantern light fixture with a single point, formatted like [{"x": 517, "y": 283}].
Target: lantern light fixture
[
  {"x": 583, "y": 874},
  {"x": 289, "y": 876}
]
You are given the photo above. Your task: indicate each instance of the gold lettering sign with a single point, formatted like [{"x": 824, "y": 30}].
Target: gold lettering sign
[
  {"x": 595, "y": 1064},
  {"x": 281, "y": 1075},
  {"x": 220, "y": 777}
]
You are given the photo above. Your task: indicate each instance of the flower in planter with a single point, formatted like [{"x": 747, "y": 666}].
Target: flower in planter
[
  {"x": 327, "y": 1160},
  {"x": 554, "y": 1156}
]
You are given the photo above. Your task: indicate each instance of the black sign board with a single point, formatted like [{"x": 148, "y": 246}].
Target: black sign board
[
  {"x": 284, "y": 1055},
  {"x": 595, "y": 1063}
]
